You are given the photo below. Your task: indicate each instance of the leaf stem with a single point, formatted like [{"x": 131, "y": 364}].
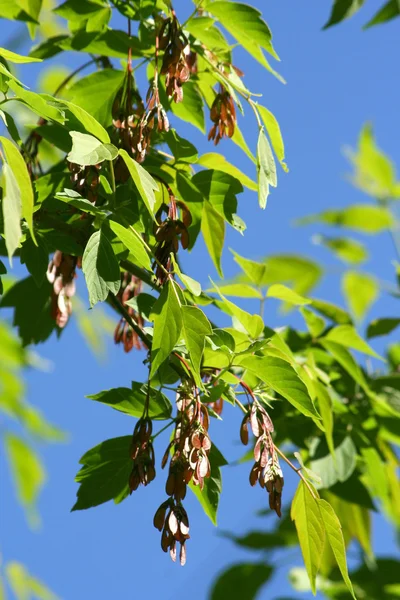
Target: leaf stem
[
  {"x": 112, "y": 175},
  {"x": 296, "y": 470},
  {"x": 72, "y": 75},
  {"x": 163, "y": 429},
  {"x": 149, "y": 250}
]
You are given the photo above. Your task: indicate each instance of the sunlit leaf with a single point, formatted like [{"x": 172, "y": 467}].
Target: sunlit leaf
[
  {"x": 310, "y": 529},
  {"x": 87, "y": 150},
  {"x": 361, "y": 291},
  {"x": 143, "y": 181},
  {"x": 168, "y": 321},
  {"x": 28, "y": 472}
]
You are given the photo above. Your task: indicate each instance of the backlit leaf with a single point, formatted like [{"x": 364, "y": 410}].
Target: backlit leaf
[
  {"x": 133, "y": 243},
  {"x": 282, "y": 378},
  {"x": 87, "y": 150},
  {"x": 281, "y": 292},
  {"x": 360, "y": 290},
  {"x": 167, "y": 315},
  {"x": 195, "y": 327},
  {"x": 334, "y": 537},
  {"x": 12, "y": 211},
  {"x": 145, "y": 184},
  {"x": 28, "y": 472},
  {"x": 311, "y": 530},
  {"x": 266, "y": 169},
  {"x": 213, "y": 230},
  {"x": 274, "y": 132},
  {"x": 18, "y": 166},
  {"x": 346, "y": 335}
]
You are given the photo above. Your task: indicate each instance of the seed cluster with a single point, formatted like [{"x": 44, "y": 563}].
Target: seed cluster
[
  {"x": 131, "y": 287},
  {"x": 168, "y": 233},
  {"x": 190, "y": 448},
  {"x": 266, "y": 469},
  {"x": 61, "y": 274}
]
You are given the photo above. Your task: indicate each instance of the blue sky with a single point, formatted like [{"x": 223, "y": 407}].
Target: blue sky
[{"x": 337, "y": 80}]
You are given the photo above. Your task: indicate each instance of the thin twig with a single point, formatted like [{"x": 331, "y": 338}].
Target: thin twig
[
  {"x": 296, "y": 470},
  {"x": 123, "y": 312}
]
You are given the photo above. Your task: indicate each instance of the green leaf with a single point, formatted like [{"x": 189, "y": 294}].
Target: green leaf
[
  {"x": 311, "y": 531},
  {"x": 21, "y": 174},
  {"x": 382, "y": 326},
  {"x": 105, "y": 473},
  {"x": 96, "y": 93},
  {"x": 334, "y": 537},
  {"x": 281, "y": 292},
  {"x": 346, "y": 360},
  {"x": 388, "y": 12},
  {"x": 242, "y": 580},
  {"x": 253, "y": 324},
  {"x": 168, "y": 321},
  {"x": 282, "y": 378},
  {"x": 255, "y": 271},
  {"x": 374, "y": 172},
  {"x": 101, "y": 269},
  {"x": 12, "y": 210},
  {"x": 346, "y": 335},
  {"x": 266, "y": 168},
  {"x": 213, "y": 230},
  {"x": 315, "y": 324},
  {"x": 360, "y": 290},
  {"x": 209, "y": 496},
  {"x": 325, "y": 409},
  {"x": 74, "y": 199},
  {"x": 203, "y": 29},
  {"x": 132, "y": 401},
  {"x": 87, "y": 150},
  {"x": 191, "y": 109},
  {"x": 132, "y": 241},
  {"x": 88, "y": 122},
  {"x": 182, "y": 149},
  {"x": 36, "y": 259},
  {"x": 145, "y": 184},
  {"x": 274, "y": 132},
  {"x": 28, "y": 472},
  {"x": 16, "y": 58},
  {"x": 347, "y": 249},
  {"x": 331, "y": 311},
  {"x": 301, "y": 273},
  {"x": 240, "y": 290},
  {"x": 195, "y": 328},
  {"x": 27, "y": 299},
  {"x": 333, "y": 469},
  {"x": 213, "y": 160},
  {"x": 361, "y": 217},
  {"x": 24, "y": 586},
  {"x": 246, "y": 25},
  {"x": 38, "y": 103},
  {"x": 343, "y": 9}
]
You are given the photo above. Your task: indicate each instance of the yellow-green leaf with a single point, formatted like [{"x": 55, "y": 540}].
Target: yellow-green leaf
[
  {"x": 334, "y": 536},
  {"x": 310, "y": 529},
  {"x": 28, "y": 472}
]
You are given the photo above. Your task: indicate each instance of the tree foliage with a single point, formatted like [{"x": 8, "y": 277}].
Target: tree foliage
[{"x": 106, "y": 188}]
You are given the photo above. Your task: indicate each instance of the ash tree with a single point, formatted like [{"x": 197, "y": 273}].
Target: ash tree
[{"x": 104, "y": 188}]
